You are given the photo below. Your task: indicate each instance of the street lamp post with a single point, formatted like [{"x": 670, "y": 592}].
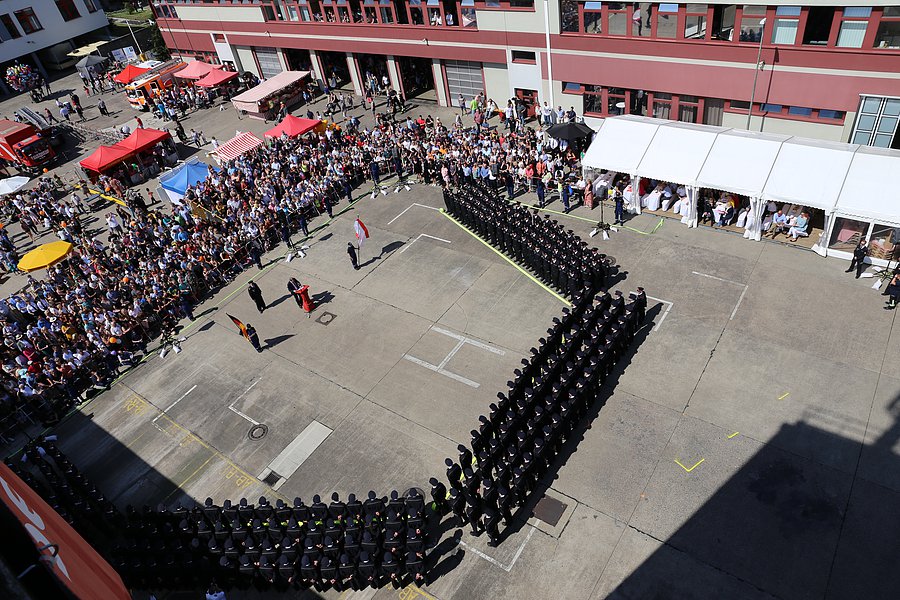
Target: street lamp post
[
  {"x": 134, "y": 37},
  {"x": 756, "y": 69}
]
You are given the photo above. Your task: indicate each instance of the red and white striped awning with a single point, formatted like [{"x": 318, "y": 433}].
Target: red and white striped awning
[{"x": 236, "y": 146}]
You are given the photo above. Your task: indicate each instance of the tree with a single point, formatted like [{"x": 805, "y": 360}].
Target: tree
[{"x": 158, "y": 44}]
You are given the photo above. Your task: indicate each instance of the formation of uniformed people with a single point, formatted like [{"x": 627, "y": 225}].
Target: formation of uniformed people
[
  {"x": 554, "y": 254},
  {"x": 517, "y": 443},
  {"x": 350, "y": 544}
]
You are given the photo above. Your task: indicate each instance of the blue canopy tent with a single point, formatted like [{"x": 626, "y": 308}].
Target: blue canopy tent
[{"x": 176, "y": 182}]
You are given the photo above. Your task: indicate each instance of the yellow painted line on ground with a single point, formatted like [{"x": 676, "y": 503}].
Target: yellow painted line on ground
[
  {"x": 413, "y": 591},
  {"x": 507, "y": 259},
  {"x": 190, "y": 477},
  {"x": 697, "y": 464},
  {"x": 784, "y": 395},
  {"x": 733, "y": 434}
]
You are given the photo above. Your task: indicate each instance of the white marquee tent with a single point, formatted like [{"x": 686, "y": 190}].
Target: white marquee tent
[{"x": 844, "y": 180}]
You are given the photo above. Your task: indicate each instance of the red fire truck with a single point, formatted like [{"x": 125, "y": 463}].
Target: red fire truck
[{"x": 24, "y": 146}]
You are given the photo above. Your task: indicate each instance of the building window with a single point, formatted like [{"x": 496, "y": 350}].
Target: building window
[
  {"x": 10, "y": 27},
  {"x": 818, "y": 25},
  {"x": 695, "y": 21},
  {"x": 619, "y": 14},
  {"x": 28, "y": 20},
  {"x": 713, "y": 111},
  {"x": 67, "y": 9},
  {"x": 854, "y": 22},
  {"x": 641, "y": 16},
  {"x": 723, "y": 21},
  {"x": 837, "y": 115},
  {"x": 751, "y": 27},
  {"x": 593, "y": 20},
  {"x": 520, "y": 56},
  {"x": 662, "y": 105},
  {"x": 593, "y": 100},
  {"x": 667, "y": 21},
  {"x": 785, "y": 29},
  {"x": 888, "y": 35},
  {"x": 799, "y": 111},
  {"x": 771, "y": 108},
  {"x": 688, "y": 108},
  {"x": 91, "y": 6},
  {"x": 876, "y": 123},
  {"x": 615, "y": 102},
  {"x": 572, "y": 88}
]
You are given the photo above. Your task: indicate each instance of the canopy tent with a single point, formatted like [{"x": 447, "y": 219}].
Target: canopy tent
[
  {"x": 255, "y": 101},
  {"x": 176, "y": 182},
  {"x": 104, "y": 157},
  {"x": 293, "y": 126},
  {"x": 236, "y": 146},
  {"x": 129, "y": 74},
  {"x": 841, "y": 179},
  {"x": 216, "y": 77},
  {"x": 196, "y": 69},
  {"x": 11, "y": 185},
  {"x": 89, "y": 63},
  {"x": 143, "y": 139}
]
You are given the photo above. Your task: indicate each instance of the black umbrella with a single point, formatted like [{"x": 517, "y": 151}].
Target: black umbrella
[
  {"x": 90, "y": 60},
  {"x": 570, "y": 131}
]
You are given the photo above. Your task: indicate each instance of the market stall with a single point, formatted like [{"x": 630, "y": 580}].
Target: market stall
[
  {"x": 292, "y": 126},
  {"x": 263, "y": 101},
  {"x": 196, "y": 69},
  {"x": 216, "y": 78},
  {"x": 153, "y": 149},
  {"x": 176, "y": 182},
  {"x": 129, "y": 74},
  {"x": 104, "y": 158},
  {"x": 241, "y": 143}
]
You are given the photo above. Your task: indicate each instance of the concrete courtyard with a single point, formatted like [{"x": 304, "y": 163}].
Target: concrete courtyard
[{"x": 748, "y": 447}]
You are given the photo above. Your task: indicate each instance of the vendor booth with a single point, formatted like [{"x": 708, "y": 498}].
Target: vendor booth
[
  {"x": 292, "y": 126},
  {"x": 216, "y": 78},
  {"x": 153, "y": 149},
  {"x": 848, "y": 183},
  {"x": 196, "y": 69},
  {"x": 129, "y": 74},
  {"x": 176, "y": 182},
  {"x": 241, "y": 143},
  {"x": 104, "y": 158},
  {"x": 91, "y": 66},
  {"x": 262, "y": 101}
]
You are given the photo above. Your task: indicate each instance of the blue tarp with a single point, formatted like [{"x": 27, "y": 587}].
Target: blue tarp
[{"x": 176, "y": 182}]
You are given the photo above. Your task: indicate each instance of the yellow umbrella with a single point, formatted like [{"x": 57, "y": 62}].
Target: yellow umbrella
[{"x": 45, "y": 256}]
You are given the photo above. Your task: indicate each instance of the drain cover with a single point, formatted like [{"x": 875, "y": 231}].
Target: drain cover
[
  {"x": 258, "y": 432},
  {"x": 272, "y": 478},
  {"x": 549, "y": 510}
]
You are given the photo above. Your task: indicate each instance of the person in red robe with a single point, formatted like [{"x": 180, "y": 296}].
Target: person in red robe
[{"x": 301, "y": 295}]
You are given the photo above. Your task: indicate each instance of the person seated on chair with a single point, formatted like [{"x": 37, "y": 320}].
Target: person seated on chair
[
  {"x": 779, "y": 223},
  {"x": 727, "y": 215},
  {"x": 798, "y": 229}
]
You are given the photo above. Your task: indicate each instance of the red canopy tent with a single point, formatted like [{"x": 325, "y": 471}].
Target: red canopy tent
[
  {"x": 104, "y": 157},
  {"x": 293, "y": 126},
  {"x": 143, "y": 139},
  {"x": 196, "y": 69},
  {"x": 71, "y": 560},
  {"x": 129, "y": 74},
  {"x": 216, "y": 77}
]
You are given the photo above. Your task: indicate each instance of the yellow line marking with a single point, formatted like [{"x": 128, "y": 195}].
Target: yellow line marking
[
  {"x": 411, "y": 591},
  {"x": 733, "y": 434},
  {"x": 190, "y": 477},
  {"x": 784, "y": 395},
  {"x": 507, "y": 259},
  {"x": 692, "y": 468}
]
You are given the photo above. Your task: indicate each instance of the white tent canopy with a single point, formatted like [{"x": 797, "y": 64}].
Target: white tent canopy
[{"x": 841, "y": 179}]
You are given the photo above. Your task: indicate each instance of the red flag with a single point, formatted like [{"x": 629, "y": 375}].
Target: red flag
[
  {"x": 240, "y": 325},
  {"x": 76, "y": 564}
]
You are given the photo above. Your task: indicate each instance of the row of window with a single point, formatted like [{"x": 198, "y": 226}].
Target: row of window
[
  {"x": 842, "y": 27},
  {"x": 29, "y": 22},
  {"x": 602, "y": 101}
]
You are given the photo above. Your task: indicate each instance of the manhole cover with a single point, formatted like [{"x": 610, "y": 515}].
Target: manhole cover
[
  {"x": 325, "y": 318},
  {"x": 258, "y": 432},
  {"x": 610, "y": 260},
  {"x": 549, "y": 510}
]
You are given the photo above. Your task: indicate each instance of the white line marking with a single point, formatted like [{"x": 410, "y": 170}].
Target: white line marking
[
  {"x": 409, "y": 207},
  {"x": 743, "y": 285},
  {"x": 452, "y": 353},
  {"x": 295, "y": 454},
  {"x": 236, "y": 411},
  {"x": 736, "y": 306},
  {"x": 718, "y": 278},
  {"x": 496, "y": 562},
  {"x": 171, "y": 406},
  {"x": 665, "y": 312},
  {"x": 468, "y": 340},
  {"x": 444, "y": 372},
  {"x": 421, "y": 235}
]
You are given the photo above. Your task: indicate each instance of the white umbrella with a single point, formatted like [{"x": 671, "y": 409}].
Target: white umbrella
[{"x": 13, "y": 184}]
